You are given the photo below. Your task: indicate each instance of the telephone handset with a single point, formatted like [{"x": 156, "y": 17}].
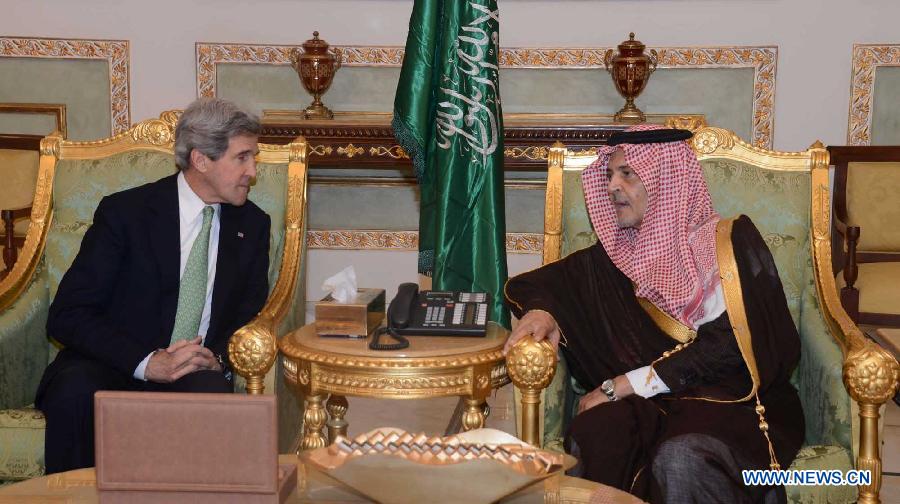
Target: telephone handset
[
  {"x": 398, "y": 318},
  {"x": 432, "y": 313},
  {"x": 401, "y": 308}
]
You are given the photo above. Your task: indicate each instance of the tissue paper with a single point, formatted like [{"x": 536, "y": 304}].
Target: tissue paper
[{"x": 342, "y": 286}]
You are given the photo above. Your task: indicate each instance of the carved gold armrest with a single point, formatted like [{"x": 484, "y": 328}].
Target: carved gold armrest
[
  {"x": 871, "y": 376},
  {"x": 253, "y": 348},
  {"x": 531, "y": 366}
]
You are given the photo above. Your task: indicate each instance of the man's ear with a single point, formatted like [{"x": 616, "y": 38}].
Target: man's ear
[{"x": 198, "y": 160}]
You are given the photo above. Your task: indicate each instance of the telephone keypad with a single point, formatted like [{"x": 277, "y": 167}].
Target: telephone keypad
[{"x": 440, "y": 313}]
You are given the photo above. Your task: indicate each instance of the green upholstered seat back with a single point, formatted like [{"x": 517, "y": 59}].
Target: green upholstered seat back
[
  {"x": 78, "y": 187},
  {"x": 778, "y": 202}
]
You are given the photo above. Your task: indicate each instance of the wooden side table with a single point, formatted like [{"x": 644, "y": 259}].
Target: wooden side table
[{"x": 316, "y": 367}]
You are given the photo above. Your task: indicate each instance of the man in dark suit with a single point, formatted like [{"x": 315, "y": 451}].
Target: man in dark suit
[{"x": 165, "y": 275}]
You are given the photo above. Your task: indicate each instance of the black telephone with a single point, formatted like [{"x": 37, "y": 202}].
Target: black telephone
[{"x": 432, "y": 313}]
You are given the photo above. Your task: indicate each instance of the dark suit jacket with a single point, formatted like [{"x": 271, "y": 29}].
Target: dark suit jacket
[{"x": 117, "y": 302}]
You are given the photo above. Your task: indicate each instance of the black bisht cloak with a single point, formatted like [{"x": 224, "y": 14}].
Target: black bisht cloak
[{"x": 607, "y": 333}]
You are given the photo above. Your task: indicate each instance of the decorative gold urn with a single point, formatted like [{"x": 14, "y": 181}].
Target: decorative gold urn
[
  {"x": 316, "y": 67},
  {"x": 630, "y": 70}
]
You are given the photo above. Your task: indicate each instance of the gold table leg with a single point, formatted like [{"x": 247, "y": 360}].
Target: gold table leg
[
  {"x": 337, "y": 408},
  {"x": 473, "y": 417},
  {"x": 313, "y": 422}
]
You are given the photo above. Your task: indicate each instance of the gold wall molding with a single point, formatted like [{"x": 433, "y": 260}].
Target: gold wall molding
[
  {"x": 762, "y": 59},
  {"x": 352, "y": 239},
  {"x": 362, "y": 240},
  {"x": 114, "y": 52},
  {"x": 866, "y": 59}
]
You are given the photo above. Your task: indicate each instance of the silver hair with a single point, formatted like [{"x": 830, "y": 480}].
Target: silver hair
[{"x": 207, "y": 125}]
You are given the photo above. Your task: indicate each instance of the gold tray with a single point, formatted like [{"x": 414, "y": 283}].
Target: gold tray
[{"x": 393, "y": 466}]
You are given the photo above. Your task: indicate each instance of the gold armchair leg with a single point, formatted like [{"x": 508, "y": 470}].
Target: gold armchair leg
[
  {"x": 871, "y": 376},
  {"x": 868, "y": 458},
  {"x": 255, "y": 385},
  {"x": 531, "y": 366}
]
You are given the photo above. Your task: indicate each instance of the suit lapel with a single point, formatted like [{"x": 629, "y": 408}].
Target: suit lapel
[
  {"x": 226, "y": 267},
  {"x": 165, "y": 232}
]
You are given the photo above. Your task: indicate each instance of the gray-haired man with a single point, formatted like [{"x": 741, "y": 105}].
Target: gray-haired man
[{"x": 166, "y": 273}]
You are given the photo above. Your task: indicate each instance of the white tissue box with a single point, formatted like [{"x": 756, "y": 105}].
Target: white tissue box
[{"x": 357, "y": 319}]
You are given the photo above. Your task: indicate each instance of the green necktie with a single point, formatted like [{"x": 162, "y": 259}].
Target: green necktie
[{"x": 192, "y": 291}]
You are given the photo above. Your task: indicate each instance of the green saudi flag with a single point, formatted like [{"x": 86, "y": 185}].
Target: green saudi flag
[{"x": 447, "y": 117}]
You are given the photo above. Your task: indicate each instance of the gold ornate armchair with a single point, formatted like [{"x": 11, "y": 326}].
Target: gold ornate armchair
[
  {"x": 72, "y": 178},
  {"x": 786, "y": 195}
]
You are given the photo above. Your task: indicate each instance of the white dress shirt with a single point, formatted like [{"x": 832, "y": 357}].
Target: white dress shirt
[
  {"x": 190, "y": 219},
  {"x": 644, "y": 380}
]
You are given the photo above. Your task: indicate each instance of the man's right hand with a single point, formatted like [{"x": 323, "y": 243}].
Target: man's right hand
[
  {"x": 537, "y": 323},
  {"x": 181, "y": 358}
]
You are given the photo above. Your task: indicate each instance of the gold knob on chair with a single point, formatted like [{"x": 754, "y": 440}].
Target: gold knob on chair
[{"x": 531, "y": 366}]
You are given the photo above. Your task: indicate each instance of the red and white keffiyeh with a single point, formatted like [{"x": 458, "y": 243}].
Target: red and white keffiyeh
[{"x": 672, "y": 257}]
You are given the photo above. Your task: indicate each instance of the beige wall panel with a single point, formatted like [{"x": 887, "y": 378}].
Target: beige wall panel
[
  {"x": 397, "y": 208},
  {"x": 725, "y": 95},
  {"x": 524, "y": 210},
  {"x": 886, "y": 106},
  {"x": 82, "y": 85},
  {"x": 260, "y": 87},
  {"x": 27, "y": 124},
  {"x": 366, "y": 207}
]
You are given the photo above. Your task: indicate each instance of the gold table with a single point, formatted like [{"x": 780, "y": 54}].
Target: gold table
[
  {"x": 79, "y": 487},
  {"x": 431, "y": 366}
]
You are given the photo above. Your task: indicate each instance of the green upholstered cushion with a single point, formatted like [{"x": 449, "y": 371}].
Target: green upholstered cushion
[
  {"x": 23, "y": 347},
  {"x": 21, "y": 443},
  {"x": 269, "y": 194},
  {"x": 577, "y": 231},
  {"x": 556, "y": 412},
  {"x": 822, "y": 457},
  {"x": 78, "y": 187},
  {"x": 818, "y": 378},
  {"x": 778, "y": 202}
]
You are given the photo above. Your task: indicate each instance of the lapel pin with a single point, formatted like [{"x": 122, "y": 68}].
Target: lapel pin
[{"x": 240, "y": 234}]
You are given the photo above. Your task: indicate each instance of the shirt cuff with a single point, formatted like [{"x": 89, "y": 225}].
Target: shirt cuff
[
  {"x": 638, "y": 378},
  {"x": 141, "y": 368}
]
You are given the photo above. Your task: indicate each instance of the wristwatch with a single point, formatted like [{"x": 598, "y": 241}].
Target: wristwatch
[
  {"x": 609, "y": 388},
  {"x": 225, "y": 369}
]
